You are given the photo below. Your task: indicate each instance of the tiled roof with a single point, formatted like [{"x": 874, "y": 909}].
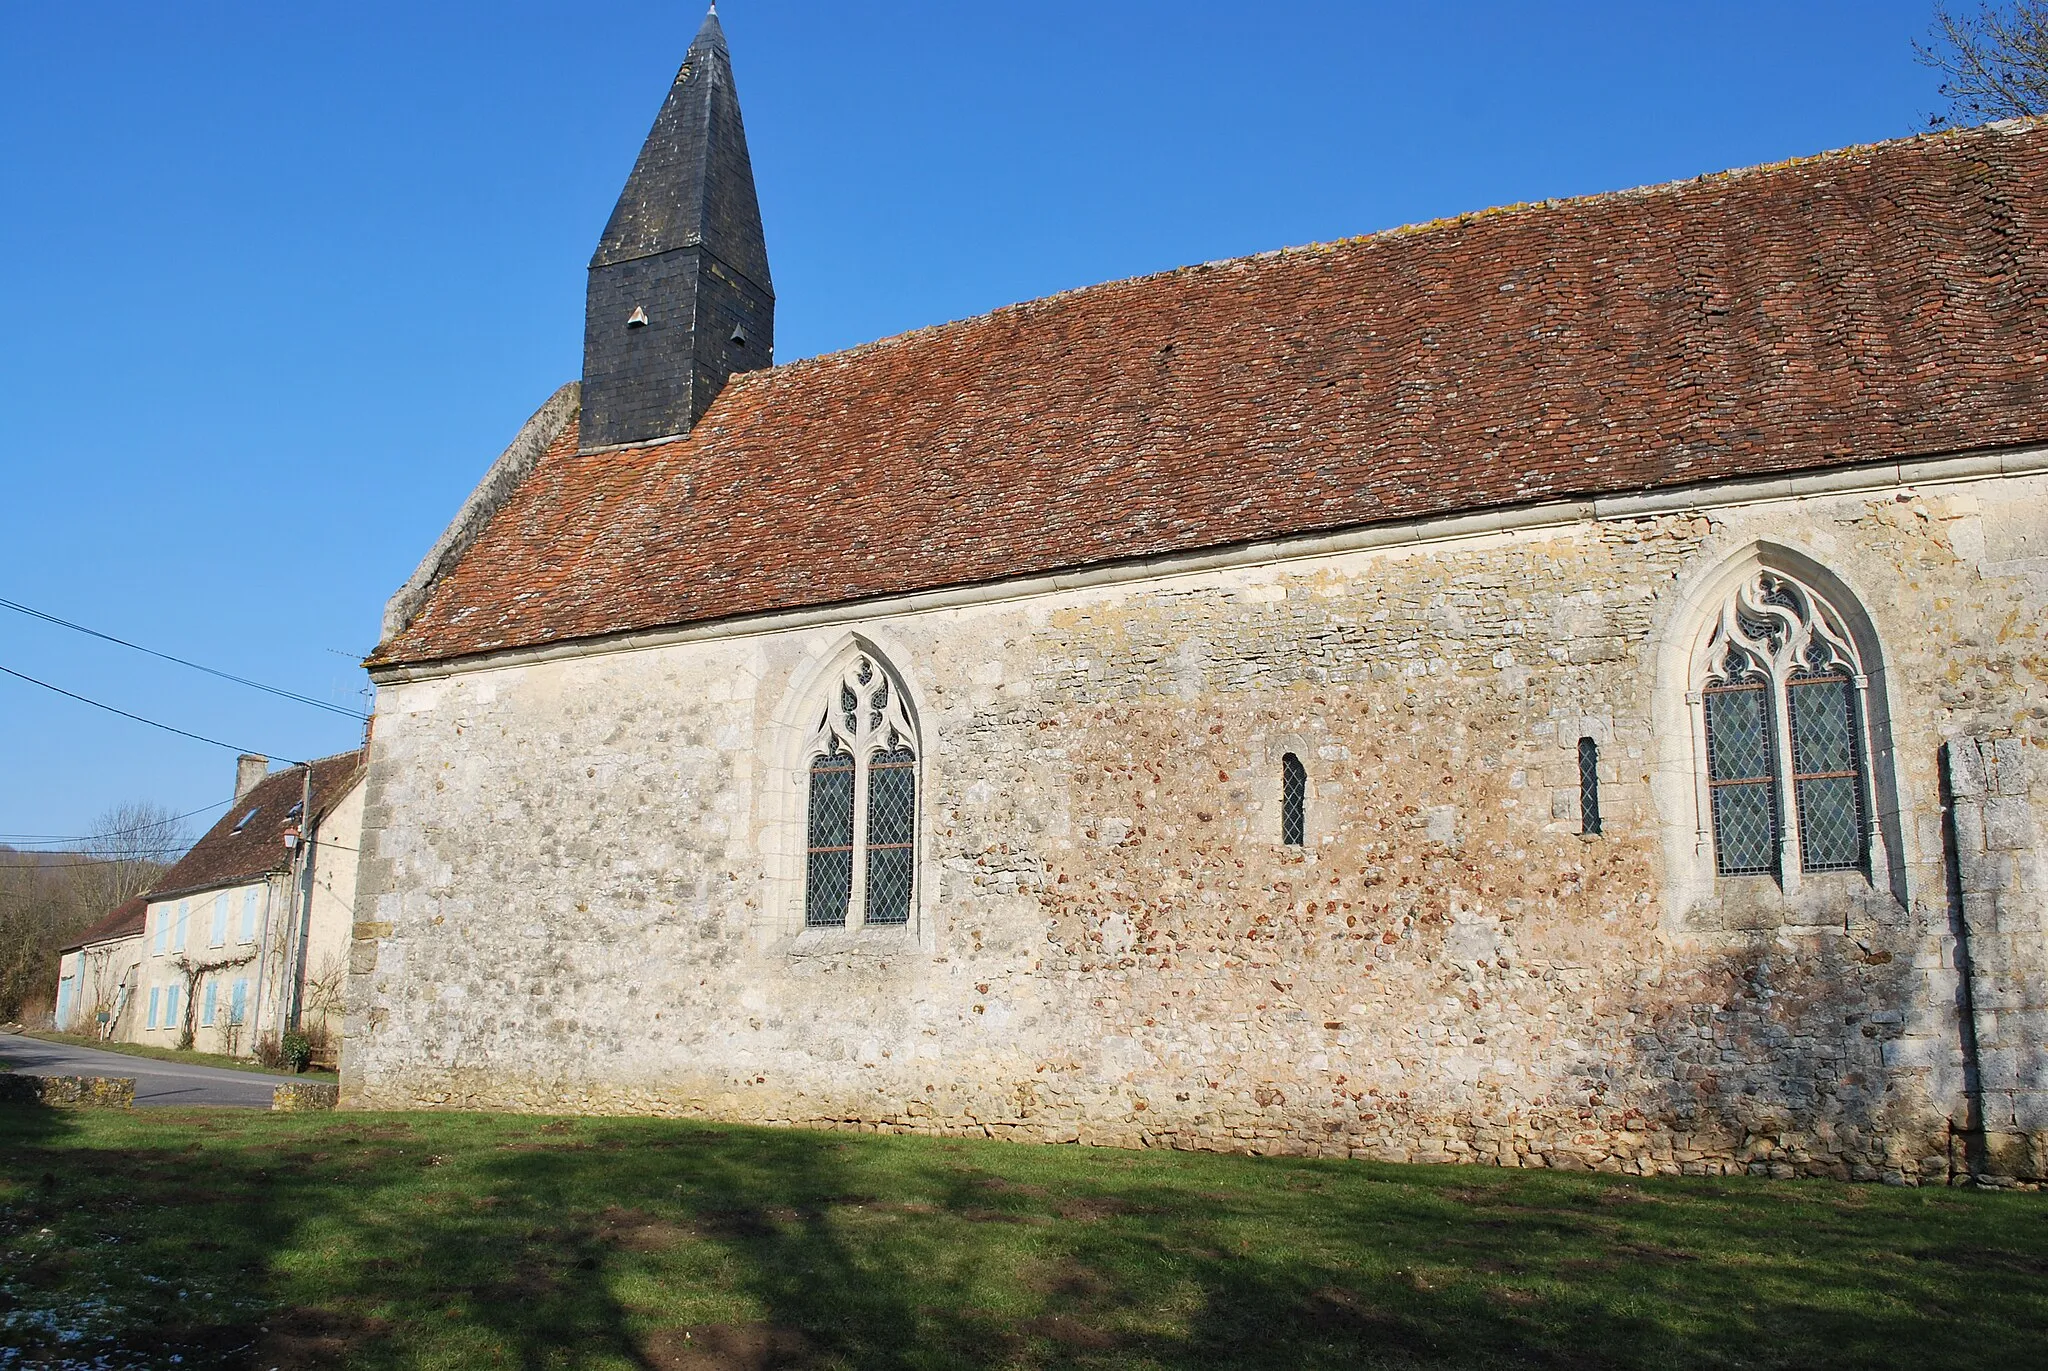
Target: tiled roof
[
  {"x": 1876, "y": 303},
  {"x": 247, "y": 843},
  {"x": 124, "y": 921}
]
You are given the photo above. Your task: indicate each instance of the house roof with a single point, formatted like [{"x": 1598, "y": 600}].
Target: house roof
[
  {"x": 247, "y": 843},
  {"x": 1876, "y": 303},
  {"x": 125, "y": 920}
]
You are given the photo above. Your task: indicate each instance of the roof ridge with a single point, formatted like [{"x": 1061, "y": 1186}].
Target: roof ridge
[
  {"x": 2004, "y": 127},
  {"x": 316, "y": 761}
]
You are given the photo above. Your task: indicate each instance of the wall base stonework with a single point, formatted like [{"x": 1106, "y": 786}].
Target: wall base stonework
[{"x": 1621, "y": 1142}]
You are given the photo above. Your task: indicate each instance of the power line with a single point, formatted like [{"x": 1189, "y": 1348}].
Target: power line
[
  {"x": 109, "y": 833},
  {"x": 159, "y": 857},
  {"x": 182, "y": 733},
  {"x": 165, "y": 656}
]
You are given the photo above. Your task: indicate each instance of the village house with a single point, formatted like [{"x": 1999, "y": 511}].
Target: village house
[
  {"x": 96, "y": 972},
  {"x": 1559, "y": 686},
  {"x": 245, "y": 937}
]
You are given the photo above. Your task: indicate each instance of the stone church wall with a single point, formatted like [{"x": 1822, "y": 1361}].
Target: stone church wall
[{"x": 582, "y": 877}]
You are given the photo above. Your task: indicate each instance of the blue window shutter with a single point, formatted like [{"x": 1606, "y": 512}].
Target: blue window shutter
[
  {"x": 171, "y": 1007},
  {"x": 206, "y": 1005},
  {"x": 154, "y": 992},
  {"x": 238, "y": 1002},
  {"x": 220, "y": 919},
  {"x": 249, "y": 915},
  {"x": 184, "y": 914},
  {"x": 163, "y": 922}
]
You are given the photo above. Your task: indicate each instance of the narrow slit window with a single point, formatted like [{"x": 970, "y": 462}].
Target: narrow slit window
[
  {"x": 1827, "y": 775},
  {"x": 1745, "y": 806},
  {"x": 829, "y": 872},
  {"x": 1293, "y": 801},
  {"x": 1589, "y": 786},
  {"x": 892, "y": 835}
]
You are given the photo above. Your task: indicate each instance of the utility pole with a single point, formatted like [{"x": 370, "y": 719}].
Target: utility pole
[{"x": 303, "y": 917}]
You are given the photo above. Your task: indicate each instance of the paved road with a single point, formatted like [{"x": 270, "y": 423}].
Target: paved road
[{"x": 155, "y": 1082}]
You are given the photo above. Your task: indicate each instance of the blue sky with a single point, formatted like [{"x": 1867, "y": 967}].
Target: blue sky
[{"x": 277, "y": 282}]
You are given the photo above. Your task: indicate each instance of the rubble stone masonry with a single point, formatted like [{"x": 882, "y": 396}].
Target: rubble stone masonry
[{"x": 582, "y": 876}]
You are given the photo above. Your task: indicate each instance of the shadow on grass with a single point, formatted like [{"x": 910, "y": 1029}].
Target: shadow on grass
[{"x": 463, "y": 1240}]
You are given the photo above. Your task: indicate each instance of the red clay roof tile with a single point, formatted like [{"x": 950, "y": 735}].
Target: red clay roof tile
[
  {"x": 1880, "y": 302},
  {"x": 125, "y": 920},
  {"x": 247, "y": 843}
]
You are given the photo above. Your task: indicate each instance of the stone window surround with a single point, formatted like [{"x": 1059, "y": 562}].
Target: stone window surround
[
  {"x": 863, "y": 718},
  {"x": 1808, "y": 899},
  {"x": 1813, "y": 628},
  {"x": 794, "y": 742}
]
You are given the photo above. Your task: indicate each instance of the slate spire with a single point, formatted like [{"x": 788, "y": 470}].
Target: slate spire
[{"x": 679, "y": 296}]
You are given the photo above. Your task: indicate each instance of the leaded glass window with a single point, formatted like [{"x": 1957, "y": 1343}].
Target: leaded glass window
[
  {"x": 892, "y": 830},
  {"x": 1293, "y": 801},
  {"x": 1589, "y": 786},
  {"x": 1739, "y": 777},
  {"x": 1827, "y": 774},
  {"x": 829, "y": 881},
  {"x": 863, "y": 803},
  {"x": 1781, "y": 701}
]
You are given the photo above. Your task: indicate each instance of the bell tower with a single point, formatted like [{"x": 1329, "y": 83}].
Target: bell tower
[{"x": 679, "y": 297}]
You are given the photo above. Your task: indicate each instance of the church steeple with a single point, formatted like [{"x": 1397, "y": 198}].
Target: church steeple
[{"x": 679, "y": 296}]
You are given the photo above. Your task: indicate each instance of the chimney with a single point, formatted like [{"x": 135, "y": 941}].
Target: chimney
[{"x": 250, "y": 769}]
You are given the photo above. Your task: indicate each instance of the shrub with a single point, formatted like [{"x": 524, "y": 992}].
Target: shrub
[
  {"x": 269, "y": 1051},
  {"x": 297, "y": 1050}
]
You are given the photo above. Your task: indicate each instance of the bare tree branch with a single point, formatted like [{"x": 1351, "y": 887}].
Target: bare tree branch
[
  {"x": 134, "y": 843},
  {"x": 1993, "y": 63}
]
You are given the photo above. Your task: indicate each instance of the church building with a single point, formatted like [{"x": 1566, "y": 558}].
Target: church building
[{"x": 1559, "y": 686}]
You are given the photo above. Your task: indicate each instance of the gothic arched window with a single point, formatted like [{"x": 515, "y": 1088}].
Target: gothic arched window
[
  {"x": 1780, "y": 695},
  {"x": 861, "y": 862}
]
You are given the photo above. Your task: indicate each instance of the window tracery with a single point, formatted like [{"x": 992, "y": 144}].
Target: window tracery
[
  {"x": 1780, "y": 697},
  {"x": 860, "y": 864}
]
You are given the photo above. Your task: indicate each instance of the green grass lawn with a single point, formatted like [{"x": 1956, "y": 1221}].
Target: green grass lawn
[
  {"x": 461, "y": 1240},
  {"x": 167, "y": 1054}
]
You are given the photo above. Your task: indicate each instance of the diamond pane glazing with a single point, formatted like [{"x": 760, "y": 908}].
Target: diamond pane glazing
[
  {"x": 1830, "y": 823},
  {"x": 892, "y": 833},
  {"x": 1823, "y": 736},
  {"x": 1745, "y": 830},
  {"x": 1589, "y": 786},
  {"x": 1293, "y": 801},
  {"x": 888, "y": 885},
  {"x": 1827, "y": 766},
  {"x": 1739, "y": 775},
  {"x": 828, "y": 880},
  {"x": 1738, "y": 733}
]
